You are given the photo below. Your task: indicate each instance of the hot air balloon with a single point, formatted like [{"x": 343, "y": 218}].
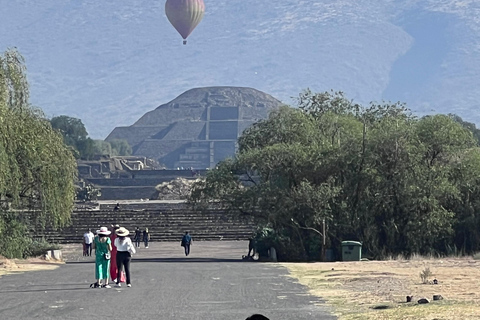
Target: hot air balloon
[{"x": 184, "y": 15}]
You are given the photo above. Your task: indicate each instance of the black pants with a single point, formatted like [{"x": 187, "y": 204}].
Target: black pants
[
  {"x": 187, "y": 249},
  {"x": 88, "y": 249},
  {"x": 123, "y": 261}
]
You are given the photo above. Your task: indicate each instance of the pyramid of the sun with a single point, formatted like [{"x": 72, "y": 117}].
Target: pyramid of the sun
[{"x": 197, "y": 129}]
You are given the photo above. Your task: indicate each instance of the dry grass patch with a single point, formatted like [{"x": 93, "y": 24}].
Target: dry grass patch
[
  {"x": 378, "y": 289},
  {"x": 9, "y": 266}
]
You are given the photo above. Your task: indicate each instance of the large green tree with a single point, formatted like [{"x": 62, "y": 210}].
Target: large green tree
[
  {"x": 75, "y": 135},
  {"x": 37, "y": 170},
  {"x": 376, "y": 174}
]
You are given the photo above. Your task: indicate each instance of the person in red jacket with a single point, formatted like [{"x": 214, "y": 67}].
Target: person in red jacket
[{"x": 113, "y": 261}]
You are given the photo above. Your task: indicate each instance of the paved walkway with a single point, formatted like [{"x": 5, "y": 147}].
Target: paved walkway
[{"x": 212, "y": 283}]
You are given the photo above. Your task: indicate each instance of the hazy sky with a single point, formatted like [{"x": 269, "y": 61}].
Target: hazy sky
[{"x": 109, "y": 62}]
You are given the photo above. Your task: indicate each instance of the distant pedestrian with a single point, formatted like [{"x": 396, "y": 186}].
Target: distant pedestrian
[
  {"x": 88, "y": 241},
  {"x": 186, "y": 243},
  {"x": 138, "y": 237},
  {"x": 125, "y": 249},
  {"x": 117, "y": 207},
  {"x": 103, "y": 248},
  {"x": 146, "y": 237}
]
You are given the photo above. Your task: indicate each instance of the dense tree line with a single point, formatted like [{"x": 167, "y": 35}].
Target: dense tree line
[
  {"x": 376, "y": 174},
  {"x": 75, "y": 136},
  {"x": 37, "y": 170}
]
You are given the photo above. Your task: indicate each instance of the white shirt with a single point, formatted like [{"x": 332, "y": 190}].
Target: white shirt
[
  {"x": 124, "y": 245},
  {"x": 88, "y": 237}
]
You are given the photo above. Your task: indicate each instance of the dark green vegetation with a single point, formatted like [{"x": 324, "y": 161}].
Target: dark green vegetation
[
  {"x": 377, "y": 174},
  {"x": 76, "y": 137},
  {"x": 37, "y": 170}
]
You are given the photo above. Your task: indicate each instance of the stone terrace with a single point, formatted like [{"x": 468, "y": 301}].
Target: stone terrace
[{"x": 165, "y": 221}]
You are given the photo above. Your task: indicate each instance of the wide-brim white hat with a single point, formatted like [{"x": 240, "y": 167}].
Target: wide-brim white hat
[
  {"x": 104, "y": 231},
  {"x": 122, "y": 232}
]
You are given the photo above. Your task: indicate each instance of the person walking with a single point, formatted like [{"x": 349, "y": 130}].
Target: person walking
[
  {"x": 146, "y": 237},
  {"x": 88, "y": 241},
  {"x": 186, "y": 243},
  {"x": 138, "y": 237},
  {"x": 125, "y": 249},
  {"x": 103, "y": 248},
  {"x": 113, "y": 263}
]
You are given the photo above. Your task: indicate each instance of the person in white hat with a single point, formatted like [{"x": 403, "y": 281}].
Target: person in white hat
[
  {"x": 125, "y": 249},
  {"x": 113, "y": 261},
  {"x": 103, "y": 248}
]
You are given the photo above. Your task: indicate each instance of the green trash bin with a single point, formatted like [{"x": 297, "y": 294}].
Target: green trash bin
[{"x": 351, "y": 251}]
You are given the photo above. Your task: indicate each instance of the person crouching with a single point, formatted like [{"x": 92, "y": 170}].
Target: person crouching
[{"x": 125, "y": 249}]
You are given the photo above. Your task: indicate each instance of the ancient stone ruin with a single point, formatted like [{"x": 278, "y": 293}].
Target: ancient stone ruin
[{"x": 197, "y": 129}]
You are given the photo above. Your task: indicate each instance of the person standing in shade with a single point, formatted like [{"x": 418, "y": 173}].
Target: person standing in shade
[
  {"x": 186, "y": 242},
  {"x": 88, "y": 241},
  {"x": 125, "y": 249},
  {"x": 251, "y": 247},
  {"x": 138, "y": 237},
  {"x": 146, "y": 237},
  {"x": 103, "y": 248}
]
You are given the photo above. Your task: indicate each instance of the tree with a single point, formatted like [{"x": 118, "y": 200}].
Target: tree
[
  {"x": 377, "y": 174},
  {"x": 37, "y": 170},
  {"x": 75, "y": 135},
  {"x": 276, "y": 160},
  {"x": 103, "y": 147},
  {"x": 468, "y": 125},
  {"x": 120, "y": 147},
  {"x": 72, "y": 129}
]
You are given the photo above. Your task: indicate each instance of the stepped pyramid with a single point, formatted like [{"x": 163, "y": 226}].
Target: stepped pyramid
[{"x": 197, "y": 129}]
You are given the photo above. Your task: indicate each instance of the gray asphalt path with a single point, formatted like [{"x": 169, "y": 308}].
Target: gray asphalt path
[{"x": 212, "y": 283}]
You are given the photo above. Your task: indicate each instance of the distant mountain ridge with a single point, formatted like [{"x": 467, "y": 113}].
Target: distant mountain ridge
[{"x": 108, "y": 62}]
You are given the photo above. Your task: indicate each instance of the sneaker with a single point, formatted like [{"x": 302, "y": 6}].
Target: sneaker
[
  {"x": 106, "y": 286},
  {"x": 118, "y": 285},
  {"x": 146, "y": 247},
  {"x": 129, "y": 285}
]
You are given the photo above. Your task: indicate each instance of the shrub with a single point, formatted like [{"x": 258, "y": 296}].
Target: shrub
[
  {"x": 425, "y": 274},
  {"x": 14, "y": 234},
  {"x": 16, "y": 241},
  {"x": 287, "y": 248},
  {"x": 39, "y": 248}
]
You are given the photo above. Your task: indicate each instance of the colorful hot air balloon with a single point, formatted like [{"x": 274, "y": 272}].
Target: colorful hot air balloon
[{"x": 184, "y": 15}]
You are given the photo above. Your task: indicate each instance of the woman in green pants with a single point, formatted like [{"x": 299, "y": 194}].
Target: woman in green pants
[{"x": 103, "y": 248}]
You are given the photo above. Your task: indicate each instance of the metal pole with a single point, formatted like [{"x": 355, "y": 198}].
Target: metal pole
[{"x": 324, "y": 258}]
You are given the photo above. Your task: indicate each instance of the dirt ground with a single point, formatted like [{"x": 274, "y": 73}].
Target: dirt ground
[
  {"x": 8, "y": 266},
  {"x": 378, "y": 289}
]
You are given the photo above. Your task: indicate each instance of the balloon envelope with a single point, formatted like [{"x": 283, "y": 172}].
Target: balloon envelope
[{"x": 184, "y": 15}]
